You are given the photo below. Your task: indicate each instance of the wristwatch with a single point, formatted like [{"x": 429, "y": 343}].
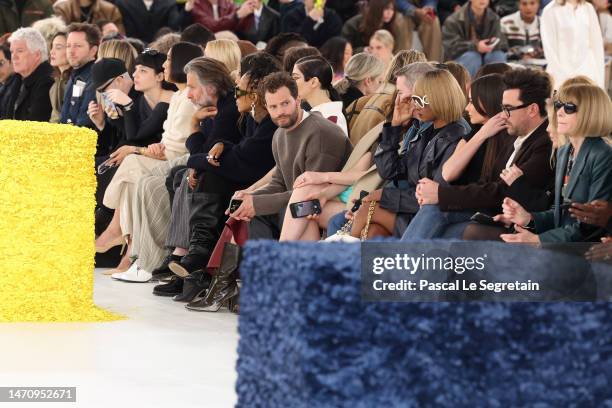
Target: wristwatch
[{"x": 139, "y": 150}]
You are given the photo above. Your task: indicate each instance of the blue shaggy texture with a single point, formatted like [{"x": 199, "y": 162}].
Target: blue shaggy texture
[{"x": 308, "y": 340}]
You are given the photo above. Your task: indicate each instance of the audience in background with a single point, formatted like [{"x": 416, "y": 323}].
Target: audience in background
[
  {"x": 317, "y": 25},
  {"x": 522, "y": 30},
  {"x": 88, "y": 11},
  {"x": 16, "y": 14},
  {"x": 381, "y": 46},
  {"x": 472, "y": 36},
  {"x": 220, "y": 15},
  {"x": 262, "y": 24},
  {"x": 337, "y": 51},
  {"x": 364, "y": 75},
  {"x": 576, "y": 48},
  {"x": 142, "y": 19}
]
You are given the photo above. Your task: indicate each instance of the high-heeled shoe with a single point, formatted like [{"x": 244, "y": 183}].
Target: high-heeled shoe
[
  {"x": 194, "y": 286},
  {"x": 112, "y": 244},
  {"x": 224, "y": 283}
]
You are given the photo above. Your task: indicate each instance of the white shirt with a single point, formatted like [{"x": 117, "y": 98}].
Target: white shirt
[
  {"x": 572, "y": 42},
  {"x": 333, "y": 109},
  {"x": 148, "y": 4},
  {"x": 518, "y": 143},
  {"x": 215, "y": 8}
]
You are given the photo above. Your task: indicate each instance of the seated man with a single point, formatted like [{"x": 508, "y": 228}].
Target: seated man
[
  {"x": 472, "y": 36},
  {"x": 303, "y": 142},
  {"x": 82, "y": 46},
  {"x": 522, "y": 30},
  {"x": 27, "y": 96}
]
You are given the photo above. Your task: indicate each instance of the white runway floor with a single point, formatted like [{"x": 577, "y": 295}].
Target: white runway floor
[{"x": 161, "y": 356}]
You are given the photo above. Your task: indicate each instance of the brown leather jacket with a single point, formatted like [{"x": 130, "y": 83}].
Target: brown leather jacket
[{"x": 70, "y": 11}]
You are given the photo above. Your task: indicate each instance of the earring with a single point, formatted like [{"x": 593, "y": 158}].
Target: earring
[{"x": 253, "y": 108}]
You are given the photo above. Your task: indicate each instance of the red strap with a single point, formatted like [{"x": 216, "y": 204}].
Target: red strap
[{"x": 233, "y": 229}]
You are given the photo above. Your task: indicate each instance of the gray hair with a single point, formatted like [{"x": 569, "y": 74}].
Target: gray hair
[
  {"x": 33, "y": 39},
  {"x": 414, "y": 71}
]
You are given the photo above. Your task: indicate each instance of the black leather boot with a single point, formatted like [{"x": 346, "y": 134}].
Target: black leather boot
[
  {"x": 223, "y": 286},
  {"x": 172, "y": 288},
  {"x": 206, "y": 221},
  {"x": 194, "y": 286},
  {"x": 163, "y": 272}
]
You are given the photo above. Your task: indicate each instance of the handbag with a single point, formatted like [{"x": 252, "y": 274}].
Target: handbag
[{"x": 344, "y": 234}]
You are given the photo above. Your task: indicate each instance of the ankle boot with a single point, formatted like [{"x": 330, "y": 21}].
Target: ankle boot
[
  {"x": 163, "y": 272},
  {"x": 223, "y": 286},
  {"x": 206, "y": 221},
  {"x": 172, "y": 288},
  {"x": 194, "y": 286}
]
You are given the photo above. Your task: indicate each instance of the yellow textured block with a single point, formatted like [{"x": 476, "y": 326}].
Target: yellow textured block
[{"x": 47, "y": 201}]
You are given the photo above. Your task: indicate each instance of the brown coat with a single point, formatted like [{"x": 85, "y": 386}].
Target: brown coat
[
  {"x": 368, "y": 111},
  {"x": 70, "y": 12}
]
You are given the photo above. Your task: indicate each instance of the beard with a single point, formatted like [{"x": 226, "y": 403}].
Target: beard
[{"x": 286, "y": 121}]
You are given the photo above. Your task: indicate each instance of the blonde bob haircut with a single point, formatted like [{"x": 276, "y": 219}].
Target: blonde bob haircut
[
  {"x": 594, "y": 113},
  {"x": 226, "y": 52},
  {"x": 446, "y": 98},
  {"x": 119, "y": 49},
  {"x": 552, "y": 115}
]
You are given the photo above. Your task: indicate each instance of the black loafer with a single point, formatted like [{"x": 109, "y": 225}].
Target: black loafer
[{"x": 163, "y": 272}]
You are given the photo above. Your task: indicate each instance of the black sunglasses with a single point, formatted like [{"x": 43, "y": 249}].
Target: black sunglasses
[
  {"x": 239, "y": 93},
  {"x": 508, "y": 109},
  {"x": 568, "y": 107}
]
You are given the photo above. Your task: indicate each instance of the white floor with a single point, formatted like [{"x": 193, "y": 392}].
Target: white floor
[{"x": 161, "y": 356}]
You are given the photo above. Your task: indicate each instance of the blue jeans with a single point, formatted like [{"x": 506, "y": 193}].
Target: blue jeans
[
  {"x": 430, "y": 222},
  {"x": 335, "y": 223},
  {"x": 473, "y": 60}
]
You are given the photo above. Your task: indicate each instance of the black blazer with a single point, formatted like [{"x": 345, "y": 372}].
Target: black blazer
[
  {"x": 28, "y": 99},
  {"x": 533, "y": 159},
  {"x": 269, "y": 26},
  {"x": 142, "y": 23}
]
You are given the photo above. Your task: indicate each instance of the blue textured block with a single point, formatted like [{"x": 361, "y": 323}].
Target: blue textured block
[{"x": 307, "y": 340}]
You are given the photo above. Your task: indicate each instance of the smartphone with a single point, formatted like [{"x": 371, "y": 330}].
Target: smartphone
[
  {"x": 305, "y": 208},
  {"x": 103, "y": 168},
  {"x": 485, "y": 219},
  {"x": 363, "y": 194},
  {"x": 492, "y": 42},
  {"x": 234, "y": 205}
]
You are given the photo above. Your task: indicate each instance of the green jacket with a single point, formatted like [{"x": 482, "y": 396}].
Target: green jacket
[
  {"x": 33, "y": 10},
  {"x": 590, "y": 179}
]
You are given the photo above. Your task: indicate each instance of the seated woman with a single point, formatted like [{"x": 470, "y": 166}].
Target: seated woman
[
  {"x": 132, "y": 167},
  {"x": 474, "y": 158},
  {"x": 437, "y": 101},
  {"x": 226, "y": 51},
  {"x": 364, "y": 75},
  {"x": 370, "y": 110},
  {"x": 381, "y": 46},
  {"x": 313, "y": 76},
  {"x": 198, "y": 210},
  {"x": 583, "y": 174}
]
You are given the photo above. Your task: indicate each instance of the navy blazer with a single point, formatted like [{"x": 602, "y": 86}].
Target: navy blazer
[{"x": 590, "y": 179}]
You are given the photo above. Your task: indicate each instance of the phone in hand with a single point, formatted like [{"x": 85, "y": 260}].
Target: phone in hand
[
  {"x": 485, "y": 219},
  {"x": 305, "y": 208},
  {"x": 492, "y": 42},
  {"x": 363, "y": 194},
  {"x": 234, "y": 205}
]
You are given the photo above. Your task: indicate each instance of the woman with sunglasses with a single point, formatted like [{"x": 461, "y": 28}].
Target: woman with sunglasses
[
  {"x": 437, "y": 102},
  {"x": 314, "y": 76},
  {"x": 165, "y": 141},
  {"x": 583, "y": 174}
]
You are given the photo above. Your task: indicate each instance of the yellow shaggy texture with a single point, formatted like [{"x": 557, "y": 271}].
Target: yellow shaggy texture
[{"x": 47, "y": 200}]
